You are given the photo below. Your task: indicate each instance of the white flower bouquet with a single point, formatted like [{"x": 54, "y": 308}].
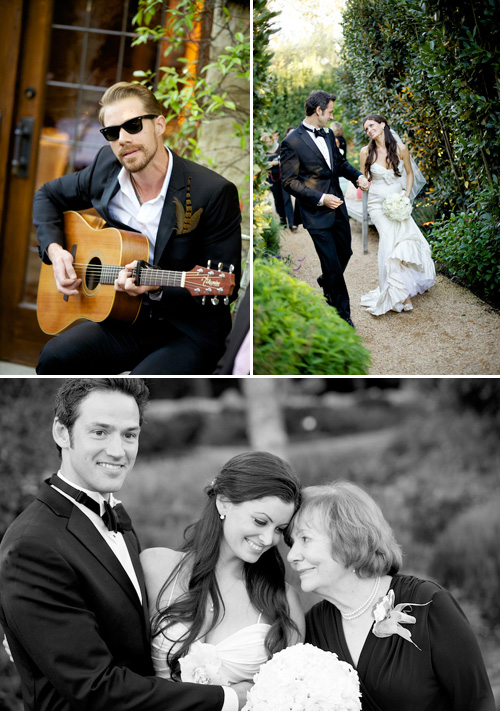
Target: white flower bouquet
[
  {"x": 397, "y": 207},
  {"x": 304, "y": 677}
]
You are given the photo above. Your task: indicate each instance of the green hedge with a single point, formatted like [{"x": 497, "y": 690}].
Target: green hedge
[
  {"x": 468, "y": 244},
  {"x": 296, "y": 332},
  {"x": 433, "y": 72}
]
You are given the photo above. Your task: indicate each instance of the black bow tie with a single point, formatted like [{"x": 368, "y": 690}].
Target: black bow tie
[
  {"x": 115, "y": 518},
  {"x": 316, "y": 132}
]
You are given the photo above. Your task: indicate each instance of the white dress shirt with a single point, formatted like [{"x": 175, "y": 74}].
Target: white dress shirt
[
  {"x": 114, "y": 540},
  {"x": 145, "y": 218},
  {"x": 320, "y": 143}
]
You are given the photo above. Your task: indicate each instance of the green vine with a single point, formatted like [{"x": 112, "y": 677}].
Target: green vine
[{"x": 200, "y": 90}]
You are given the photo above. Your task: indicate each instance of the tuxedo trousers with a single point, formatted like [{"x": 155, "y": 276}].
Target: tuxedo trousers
[
  {"x": 333, "y": 246},
  {"x": 148, "y": 347}
]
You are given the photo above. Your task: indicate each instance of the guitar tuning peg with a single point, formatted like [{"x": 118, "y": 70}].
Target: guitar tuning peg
[
  {"x": 231, "y": 269},
  {"x": 215, "y": 301},
  {"x": 203, "y": 300},
  {"x": 209, "y": 263},
  {"x": 220, "y": 266},
  {"x": 226, "y": 301}
]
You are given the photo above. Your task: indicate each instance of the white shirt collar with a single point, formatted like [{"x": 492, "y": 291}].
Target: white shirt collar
[
  {"x": 96, "y": 496},
  {"x": 127, "y": 187}
]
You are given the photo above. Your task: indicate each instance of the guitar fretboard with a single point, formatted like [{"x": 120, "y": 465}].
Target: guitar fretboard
[{"x": 107, "y": 274}]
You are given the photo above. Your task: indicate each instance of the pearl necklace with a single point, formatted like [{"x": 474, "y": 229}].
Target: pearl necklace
[{"x": 365, "y": 606}]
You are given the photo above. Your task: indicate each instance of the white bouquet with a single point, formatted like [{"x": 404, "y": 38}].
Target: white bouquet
[
  {"x": 397, "y": 207},
  {"x": 304, "y": 677}
]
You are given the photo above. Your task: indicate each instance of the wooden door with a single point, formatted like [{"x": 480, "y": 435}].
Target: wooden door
[{"x": 57, "y": 59}]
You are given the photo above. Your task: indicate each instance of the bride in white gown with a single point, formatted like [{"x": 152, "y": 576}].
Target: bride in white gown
[
  {"x": 226, "y": 588},
  {"x": 405, "y": 265}
]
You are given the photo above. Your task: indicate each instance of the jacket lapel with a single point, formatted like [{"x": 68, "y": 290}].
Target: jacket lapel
[
  {"x": 306, "y": 136},
  {"x": 85, "y": 532},
  {"x": 176, "y": 189},
  {"x": 132, "y": 546}
]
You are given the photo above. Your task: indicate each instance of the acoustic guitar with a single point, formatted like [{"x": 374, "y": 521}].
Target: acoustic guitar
[{"x": 97, "y": 258}]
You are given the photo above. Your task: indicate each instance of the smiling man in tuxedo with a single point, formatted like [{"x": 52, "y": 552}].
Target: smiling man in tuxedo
[
  {"x": 72, "y": 595},
  {"x": 311, "y": 165}
]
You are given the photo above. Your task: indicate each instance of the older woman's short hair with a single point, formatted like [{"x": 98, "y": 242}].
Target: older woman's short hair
[{"x": 361, "y": 537}]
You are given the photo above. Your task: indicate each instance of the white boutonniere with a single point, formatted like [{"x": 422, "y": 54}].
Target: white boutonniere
[
  {"x": 388, "y": 617},
  {"x": 186, "y": 220}
]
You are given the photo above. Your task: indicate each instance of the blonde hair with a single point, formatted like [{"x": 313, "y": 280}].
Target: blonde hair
[
  {"x": 337, "y": 128},
  {"x": 127, "y": 90},
  {"x": 360, "y": 535}
]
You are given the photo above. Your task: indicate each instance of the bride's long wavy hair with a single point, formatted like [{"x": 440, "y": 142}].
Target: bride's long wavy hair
[
  {"x": 390, "y": 144},
  {"x": 248, "y": 476}
]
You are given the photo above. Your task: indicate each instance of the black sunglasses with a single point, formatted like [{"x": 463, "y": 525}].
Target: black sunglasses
[{"x": 132, "y": 126}]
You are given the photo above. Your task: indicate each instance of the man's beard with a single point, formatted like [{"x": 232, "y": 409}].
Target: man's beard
[{"x": 138, "y": 163}]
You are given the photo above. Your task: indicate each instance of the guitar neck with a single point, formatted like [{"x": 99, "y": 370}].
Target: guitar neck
[{"x": 149, "y": 277}]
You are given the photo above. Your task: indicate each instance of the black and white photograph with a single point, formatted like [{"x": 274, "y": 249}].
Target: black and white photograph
[{"x": 258, "y": 544}]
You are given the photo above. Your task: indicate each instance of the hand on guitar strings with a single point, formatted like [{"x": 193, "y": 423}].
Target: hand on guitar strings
[
  {"x": 64, "y": 273},
  {"x": 126, "y": 282}
]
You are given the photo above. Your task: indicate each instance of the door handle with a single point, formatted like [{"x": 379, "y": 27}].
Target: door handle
[{"x": 22, "y": 147}]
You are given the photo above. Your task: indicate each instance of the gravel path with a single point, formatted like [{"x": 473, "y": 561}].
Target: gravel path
[{"x": 449, "y": 332}]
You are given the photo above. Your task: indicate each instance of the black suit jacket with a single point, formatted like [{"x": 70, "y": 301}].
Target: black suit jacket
[
  {"x": 217, "y": 236},
  {"x": 306, "y": 175},
  {"x": 77, "y": 630}
]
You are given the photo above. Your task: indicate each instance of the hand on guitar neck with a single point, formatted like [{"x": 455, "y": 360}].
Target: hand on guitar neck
[
  {"x": 64, "y": 273},
  {"x": 126, "y": 282}
]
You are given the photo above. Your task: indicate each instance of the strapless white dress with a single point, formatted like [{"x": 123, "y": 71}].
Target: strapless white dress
[
  {"x": 241, "y": 654},
  {"x": 405, "y": 266}
]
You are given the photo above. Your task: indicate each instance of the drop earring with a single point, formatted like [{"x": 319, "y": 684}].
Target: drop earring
[{"x": 222, "y": 516}]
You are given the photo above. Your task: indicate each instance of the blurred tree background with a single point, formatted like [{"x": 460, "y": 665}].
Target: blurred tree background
[{"x": 426, "y": 449}]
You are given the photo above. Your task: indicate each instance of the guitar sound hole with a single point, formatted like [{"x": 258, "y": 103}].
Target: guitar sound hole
[{"x": 93, "y": 274}]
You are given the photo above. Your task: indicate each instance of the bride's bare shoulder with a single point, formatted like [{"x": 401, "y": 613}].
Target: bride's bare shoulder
[{"x": 157, "y": 565}]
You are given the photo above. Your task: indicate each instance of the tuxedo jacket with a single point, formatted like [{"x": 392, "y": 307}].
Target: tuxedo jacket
[
  {"x": 306, "y": 175},
  {"x": 217, "y": 236},
  {"x": 78, "y": 633}
]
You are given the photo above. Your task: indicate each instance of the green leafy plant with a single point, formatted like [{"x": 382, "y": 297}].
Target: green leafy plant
[
  {"x": 468, "y": 244},
  {"x": 296, "y": 332},
  {"x": 197, "y": 90}
]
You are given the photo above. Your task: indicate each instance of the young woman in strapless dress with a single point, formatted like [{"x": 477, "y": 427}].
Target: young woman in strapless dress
[{"x": 226, "y": 587}]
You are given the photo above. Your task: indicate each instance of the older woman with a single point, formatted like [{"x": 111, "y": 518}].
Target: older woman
[{"x": 344, "y": 550}]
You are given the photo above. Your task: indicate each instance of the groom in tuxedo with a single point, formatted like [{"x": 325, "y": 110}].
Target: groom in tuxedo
[
  {"x": 72, "y": 595},
  {"x": 310, "y": 168}
]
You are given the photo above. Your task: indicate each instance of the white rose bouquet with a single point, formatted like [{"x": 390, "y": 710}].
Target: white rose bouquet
[
  {"x": 304, "y": 677},
  {"x": 397, "y": 207}
]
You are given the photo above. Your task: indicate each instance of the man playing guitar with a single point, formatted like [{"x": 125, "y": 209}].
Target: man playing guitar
[{"x": 189, "y": 214}]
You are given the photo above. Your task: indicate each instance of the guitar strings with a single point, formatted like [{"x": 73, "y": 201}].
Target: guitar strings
[{"x": 191, "y": 278}]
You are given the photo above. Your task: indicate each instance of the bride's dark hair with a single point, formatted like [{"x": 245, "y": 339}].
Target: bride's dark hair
[
  {"x": 248, "y": 476},
  {"x": 390, "y": 144}
]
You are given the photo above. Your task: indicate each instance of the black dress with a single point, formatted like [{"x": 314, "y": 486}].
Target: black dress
[{"x": 448, "y": 672}]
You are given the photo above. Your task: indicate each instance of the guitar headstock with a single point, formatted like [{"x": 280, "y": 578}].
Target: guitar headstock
[{"x": 210, "y": 282}]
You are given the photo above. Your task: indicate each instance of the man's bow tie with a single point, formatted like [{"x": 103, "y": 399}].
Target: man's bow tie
[
  {"x": 115, "y": 518},
  {"x": 316, "y": 132}
]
